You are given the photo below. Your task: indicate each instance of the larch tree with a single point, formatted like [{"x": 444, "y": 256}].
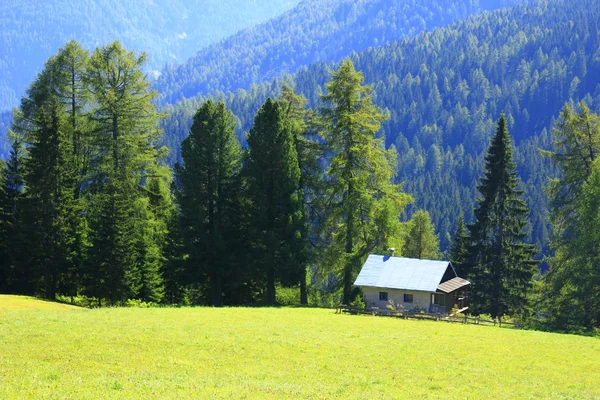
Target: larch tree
[
  {"x": 501, "y": 263},
  {"x": 126, "y": 153},
  {"x": 208, "y": 193},
  {"x": 274, "y": 191},
  {"x": 360, "y": 174},
  {"x": 570, "y": 291},
  {"x": 46, "y": 124},
  {"x": 421, "y": 240}
]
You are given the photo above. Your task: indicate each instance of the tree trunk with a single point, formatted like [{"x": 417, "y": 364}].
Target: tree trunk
[
  {"x": 217, "y": 290},
  {"x": 271, "y": 286},
  {"x": 303, "y": 290}
]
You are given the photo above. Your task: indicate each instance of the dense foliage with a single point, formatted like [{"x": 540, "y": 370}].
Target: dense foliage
[
  {"x": 84, "y": 205},
  {"x": 444, "y": 90},
  {"x": 570, "y": 297},
  {"x": 314, "y": 31},
  {"x": 500, "y": 264},
  {"x": 169, "y": 30}
]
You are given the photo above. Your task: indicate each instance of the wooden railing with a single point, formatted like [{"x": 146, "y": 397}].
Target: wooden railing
[{"x": 464, "y": 319}]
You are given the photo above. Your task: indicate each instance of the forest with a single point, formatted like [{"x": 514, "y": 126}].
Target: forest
[
  {"x": 170, "y": 31},
  {"x": 314, "y": 31},
  {"x": 445, "y": 89},
  {"x": 475, "y": 142},
  {"x": 89, "y": 208}
]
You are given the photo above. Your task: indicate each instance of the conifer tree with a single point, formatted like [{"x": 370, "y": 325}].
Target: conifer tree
[
  {"x": 126, "y": 154},
  {"x": 570, "y": 292},
  {"x": 276, "y": 198},
  {"x": 502, "y": 264},
  {"x": 46, "y": 123},
  {"x": 360, "y": 173},
  {"x": 208, "y": 190},
  {"x": 459, "y": 249},
  {"x": 309, "y": 152},
  {"x": 15, "y": 276},
  {"x": 421, "y": 241}
]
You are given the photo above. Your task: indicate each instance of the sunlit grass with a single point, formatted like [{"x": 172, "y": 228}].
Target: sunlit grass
[
  {"x": 19, "y": 303},
  {"x": 282, "y": 353}
]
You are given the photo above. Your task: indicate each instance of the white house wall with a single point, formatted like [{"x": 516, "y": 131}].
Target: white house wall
[{"x": 420, "y": 299}]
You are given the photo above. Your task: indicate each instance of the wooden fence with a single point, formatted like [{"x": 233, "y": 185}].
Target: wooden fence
[{"x": 463, "y": 319}]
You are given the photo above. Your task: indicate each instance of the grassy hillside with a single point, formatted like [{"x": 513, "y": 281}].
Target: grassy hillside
[
  {"x": 21, "y": 303},
  {"x": 282, "y": 353}
]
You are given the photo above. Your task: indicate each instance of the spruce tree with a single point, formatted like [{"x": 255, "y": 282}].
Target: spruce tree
[
  {"x": 458, "y": 255},
  {"x": 421, "y": 241},
  {"x": 502, "y": 264},
  {"x": 208, "y": 190},
  {"x": 360, "y": 172},
  {"x": 309, "y": 152},
  {"x": 46, "y": 121},
  {"x": 15, "y": 273},
  {"x": 276, "y": 198}
]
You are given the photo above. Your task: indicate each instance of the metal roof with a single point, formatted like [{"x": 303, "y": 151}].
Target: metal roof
[
  {"x": 453, "y": 284},
  {"x": 402, "y": 273}
]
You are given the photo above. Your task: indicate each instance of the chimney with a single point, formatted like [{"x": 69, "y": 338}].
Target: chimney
[{"x": 392, "y": 250}]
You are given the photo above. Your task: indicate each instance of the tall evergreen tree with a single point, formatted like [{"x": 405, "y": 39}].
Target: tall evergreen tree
[
  {"x": 126, "y": 154},
  {"x": 458, "y": 255},
  {"x": 276, "y": 198},
  {"x": 502, "y": 264},
  {"x": 47, "y": 124},
  {"x": 51, "y": 208},
  {"x": 570, "y": 293},
  {"x": 208, "y": 190},
  {"x": 360, "y": 173},
  {"x": 15, "y": 276},
  {"x": 309, "y": 152},
  {"x": 421, "y": 241}
]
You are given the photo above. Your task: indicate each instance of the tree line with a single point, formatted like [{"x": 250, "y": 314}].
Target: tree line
[
  {"x": 445, "y": 90},
  {"x": 89, "y": 206}
]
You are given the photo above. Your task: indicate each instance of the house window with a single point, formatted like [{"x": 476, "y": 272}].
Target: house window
[
  {"x": 408, "y": 298},
  {"x": 383, "y": 296}
]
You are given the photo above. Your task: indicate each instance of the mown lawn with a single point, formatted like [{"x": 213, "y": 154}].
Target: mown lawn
[{"x": 281, "y": 353}]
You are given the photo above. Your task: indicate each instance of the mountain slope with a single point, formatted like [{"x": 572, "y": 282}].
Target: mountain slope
[
  {"x": 446, "y": 88},
  {"x": 314, "y": 31},
  {"x": 168, "y": 30}
]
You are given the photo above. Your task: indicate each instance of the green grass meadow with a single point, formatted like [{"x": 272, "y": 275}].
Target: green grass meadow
[{"x": 53, "y": 351}]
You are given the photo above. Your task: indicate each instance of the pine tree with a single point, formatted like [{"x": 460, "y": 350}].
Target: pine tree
[
  {"x": 126, "y": 154},
  {"x": 502, "y": 264},
  {"x": 360, "y": 174},
  {"x": 421, "y": 241},
  {"x": 276, "y": 198},
  {"x": 208, "y": 190},
  {"x": 459, "y": 249}
]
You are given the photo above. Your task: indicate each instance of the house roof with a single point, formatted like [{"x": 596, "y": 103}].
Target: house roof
[
  {"x": 402, "y": 273},
  {"x": 453, "y": 284}
]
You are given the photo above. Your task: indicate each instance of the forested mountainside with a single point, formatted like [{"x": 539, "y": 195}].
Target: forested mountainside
[
  {"x": 314, "y": 31},
  {"x": 168, "y": 30},
  {"x": 444, "y": 91}
]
